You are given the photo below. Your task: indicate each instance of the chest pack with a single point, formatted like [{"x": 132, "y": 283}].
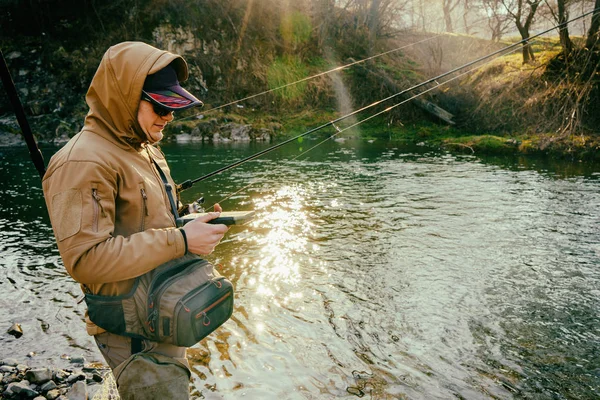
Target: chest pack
[{"x": 180, "y": 302}]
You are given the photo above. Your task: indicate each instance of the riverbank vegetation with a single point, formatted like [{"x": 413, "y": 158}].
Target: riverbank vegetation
[{"x": 244, "y": 56}]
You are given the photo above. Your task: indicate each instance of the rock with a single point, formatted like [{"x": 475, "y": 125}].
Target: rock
[
  {"x": 60, "y": 375},
  {"x": 48, "y": 386},
  {"x": 53, "y": 394},
  {"x": 21, "y": 368},
  {"x": 10, "y": 379},
  {"x": 76, "y": 377},
  {"x": 263, "y": 135},
  {"x": 78, "y": 360},
  {"x": 9, "y": 361},
  {"x": 183, "y": 138},
  {"x": 22, "y": 389},
  {"x": 40, "y": 398},
  {"x": 6, "y": 369},
  {"x": 15, "y": 330},
  {"x": 78, "y": 391},
  {"x": 38, "y": 376},
  {"x": 240, "y": 133}
]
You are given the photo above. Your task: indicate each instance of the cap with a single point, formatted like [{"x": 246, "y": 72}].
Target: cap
[{"x": 163, "y": 88}]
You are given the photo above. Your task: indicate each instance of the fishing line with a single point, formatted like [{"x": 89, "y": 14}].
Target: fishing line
[
  {"x": 187, "y": 184},
  {"x": 322, "y": 73},
  {"x": 340, "y": 130}
]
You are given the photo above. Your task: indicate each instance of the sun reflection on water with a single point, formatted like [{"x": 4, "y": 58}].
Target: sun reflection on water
[{"x": 284, "y": 244}]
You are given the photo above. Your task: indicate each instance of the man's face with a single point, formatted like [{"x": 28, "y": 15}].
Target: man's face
[{"x": 152, "y": 124}]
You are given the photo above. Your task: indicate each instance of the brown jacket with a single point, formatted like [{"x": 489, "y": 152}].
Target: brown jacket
[{"x": 107, "y": 203}]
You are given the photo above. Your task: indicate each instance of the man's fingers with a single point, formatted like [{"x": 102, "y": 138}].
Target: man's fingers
[{"x": 207, "y": 217}]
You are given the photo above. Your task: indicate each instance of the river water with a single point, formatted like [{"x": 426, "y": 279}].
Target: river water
[{"x": 372, "y": 270}]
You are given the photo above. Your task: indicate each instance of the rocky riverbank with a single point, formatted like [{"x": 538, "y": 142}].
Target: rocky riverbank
[{"x": 82, "y": 381}]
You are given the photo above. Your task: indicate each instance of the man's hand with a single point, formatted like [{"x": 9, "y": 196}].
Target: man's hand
[{"x": 202, "y": 238}]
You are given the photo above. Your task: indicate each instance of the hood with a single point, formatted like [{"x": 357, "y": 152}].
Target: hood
[{"x": 115, "y": 92}]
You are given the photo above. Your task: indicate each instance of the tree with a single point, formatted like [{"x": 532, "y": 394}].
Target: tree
[
  {"x": 593, "y": 32},
  {"x": 523, "y": 13},
  {"x": 498, "y": 21},
  {"x": 561, "y": 16},
  {"x": 448, "y": 6}
]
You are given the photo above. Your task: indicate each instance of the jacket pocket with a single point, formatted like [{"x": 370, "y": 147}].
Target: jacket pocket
[
  {"x": 144, "y": 212},
  {"x": 98, "y": 209}
]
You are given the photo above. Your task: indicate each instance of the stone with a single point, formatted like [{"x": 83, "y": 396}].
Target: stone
[
  {"x": 13, "y": 54},
  {"x": 40, "y": 398},
  {"x": 38, "y": 375},
  {"x": 78, "y": 360},
  {"x": 60, "y": 375},
  {"x": 10, "y": 378},
  {"x": 48, "y": 386},
  {"x": 22, "y": 368},
  {"x": 6, "y": 369},
  {"x": 10, "y": 361},
  {"x": 240, "y": 133},
  {"x": 53, "y": 394},
  {"x": 76, "y": 377},
  {"x": 22, "y": 389},
  {"x": 78, "y": 391},
  {"x": 183, "y": 138},
  {"x": 15, "y": 330}
]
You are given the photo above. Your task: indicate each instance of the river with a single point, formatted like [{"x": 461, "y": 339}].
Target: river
[{"x": 372, "y": 270}]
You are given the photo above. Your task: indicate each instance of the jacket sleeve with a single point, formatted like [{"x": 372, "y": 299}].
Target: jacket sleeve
[{"x": 80, "y": 196}]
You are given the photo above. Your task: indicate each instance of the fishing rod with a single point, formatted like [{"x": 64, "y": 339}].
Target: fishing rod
[
  {"x": 189, "y": 183},
  {"x": 368, "y": 118},
  {"x": 11, "y": 90}
]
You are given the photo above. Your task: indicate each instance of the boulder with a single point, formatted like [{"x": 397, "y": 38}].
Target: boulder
[
  {"x": 6, "y": 369},
  {"x": 9, "y": 361},
  {"x": 78, "y": 391},
  {"x": 76, "y": 377},
  {"x": 53, "y": 394},
  {"x": 38, "y": 375},
  {"x": 48, "y": 386},
  {"x": 240, "y": 133},
  {"x": 22, "y": 389}
]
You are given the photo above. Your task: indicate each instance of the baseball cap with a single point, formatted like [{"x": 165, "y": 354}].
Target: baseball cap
[{"x": 163, "y": 89}]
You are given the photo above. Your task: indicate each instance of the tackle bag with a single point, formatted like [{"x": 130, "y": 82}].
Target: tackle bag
[{"x": 180, "y": 303}]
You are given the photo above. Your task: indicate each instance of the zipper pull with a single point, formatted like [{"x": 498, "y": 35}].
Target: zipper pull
[
  {"x": 98, "y": 200},
  {"x": 145, "y": 197}
]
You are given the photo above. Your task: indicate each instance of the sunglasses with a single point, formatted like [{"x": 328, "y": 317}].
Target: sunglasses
[{"x": 158, "y": 110}]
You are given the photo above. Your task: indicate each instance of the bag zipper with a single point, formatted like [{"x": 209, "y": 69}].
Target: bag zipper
[{"x": 213, "y": 305}]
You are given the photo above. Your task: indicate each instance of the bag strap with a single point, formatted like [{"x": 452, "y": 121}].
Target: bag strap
[{"x": 169, "y": 189}]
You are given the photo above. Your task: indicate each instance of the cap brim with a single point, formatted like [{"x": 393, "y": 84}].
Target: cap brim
[{"x": 174, "y": 98}]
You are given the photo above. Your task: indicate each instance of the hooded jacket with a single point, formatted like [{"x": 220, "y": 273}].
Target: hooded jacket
[{"x": 107, "y": 203}]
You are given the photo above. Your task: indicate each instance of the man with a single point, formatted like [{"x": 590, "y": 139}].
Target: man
[{"x": 107, "y": 203}]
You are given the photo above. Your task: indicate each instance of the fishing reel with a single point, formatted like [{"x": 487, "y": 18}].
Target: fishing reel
[{"x": 193, "y": 207}]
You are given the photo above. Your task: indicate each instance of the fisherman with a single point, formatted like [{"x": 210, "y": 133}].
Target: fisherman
[{"x": 108, "y": 205}]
